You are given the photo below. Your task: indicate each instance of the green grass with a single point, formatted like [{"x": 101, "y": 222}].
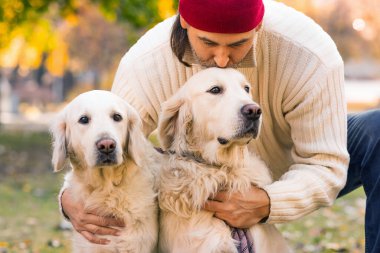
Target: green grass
[
  {"x": 19, "y": 141},
  {"x": 339, "y": 228},
  {"x": 29, "y": 215},
  {"x": 24, "y": 152}
]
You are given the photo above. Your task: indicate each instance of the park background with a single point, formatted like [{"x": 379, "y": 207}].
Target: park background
[{"x": 50, "y": 51}]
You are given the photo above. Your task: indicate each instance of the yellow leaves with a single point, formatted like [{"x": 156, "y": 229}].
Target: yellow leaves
[
  {"x": 4, "y": 245},
  {"x": 34, "y": 45},
  {"x": 165, "y": 8},
  {"x": 58, "y": 58},
  {"x": 38, "y": 35},
  {"x": 31, "y": 58},
  {"x": 72, "y": 20},
  {"x": 36, "y": 3},
  {"x": 12, "y": 8},
  {"x": 29, "y": 43},
  {"x": 3, "y": 29},
  {"x": 35, "y": 31},
  {"x": 9, "y": 57}
]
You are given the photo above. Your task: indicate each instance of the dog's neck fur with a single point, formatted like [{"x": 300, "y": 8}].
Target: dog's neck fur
[{"x": 231, "y": 155}]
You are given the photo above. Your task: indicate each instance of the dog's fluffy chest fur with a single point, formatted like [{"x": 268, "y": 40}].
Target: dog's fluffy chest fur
[
  {"x": 125, "y": 192},
  {"x": 114, "y": 191},
  {"x": 185, "y": 184}
]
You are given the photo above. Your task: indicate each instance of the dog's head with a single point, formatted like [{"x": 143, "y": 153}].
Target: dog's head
[
  {"x": 97, "y": 129},
  {"x": 214, "y": 107}
]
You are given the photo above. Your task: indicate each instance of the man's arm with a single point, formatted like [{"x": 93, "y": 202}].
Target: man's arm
[{"x": 318, "y": 129}]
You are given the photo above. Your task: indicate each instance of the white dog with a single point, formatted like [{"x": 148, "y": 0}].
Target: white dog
[
  {"x": 99, "y": 134},
  {"x": 205, "y": 128}
]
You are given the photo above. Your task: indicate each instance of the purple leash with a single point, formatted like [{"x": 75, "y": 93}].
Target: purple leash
[{"x": 244, "y": 238}]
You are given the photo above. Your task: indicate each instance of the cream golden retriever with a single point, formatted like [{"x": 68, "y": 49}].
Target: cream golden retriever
[
  {"x": 98, "y": 135},
  {"x": 205, "y": 129}
]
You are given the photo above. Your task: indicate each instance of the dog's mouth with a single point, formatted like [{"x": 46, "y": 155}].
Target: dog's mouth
[
  {"x": 249, "y": 131},
  {"x": 106, "y": 159}
]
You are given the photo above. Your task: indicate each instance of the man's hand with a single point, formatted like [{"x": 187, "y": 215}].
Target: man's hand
[
  {"x": 88, "y": 224},
  {"x": 240, "y": 211}
]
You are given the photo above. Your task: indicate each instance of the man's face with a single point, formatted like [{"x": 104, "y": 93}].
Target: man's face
[{"x": 218, "y": 49}]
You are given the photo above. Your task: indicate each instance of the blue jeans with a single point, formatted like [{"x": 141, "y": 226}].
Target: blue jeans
[{"x": 363, "y": 142}]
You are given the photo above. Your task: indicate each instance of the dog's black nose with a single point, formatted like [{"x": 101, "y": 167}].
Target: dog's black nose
[
  {"x": 106, "y": 145},
  {"x": 251, "y": 111}
]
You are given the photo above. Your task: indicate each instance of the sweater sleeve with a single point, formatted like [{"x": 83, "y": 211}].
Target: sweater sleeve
[{"x": 318, "y": 127}]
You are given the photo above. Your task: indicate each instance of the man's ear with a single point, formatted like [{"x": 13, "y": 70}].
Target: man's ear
[
  {"x": 183, "y": 22},
  {"x": 173, "y": 122},
  {"x": 58, "y": 132}
]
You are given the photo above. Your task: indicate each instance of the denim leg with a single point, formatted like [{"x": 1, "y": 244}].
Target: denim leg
[{"x": 364, "y": 169}]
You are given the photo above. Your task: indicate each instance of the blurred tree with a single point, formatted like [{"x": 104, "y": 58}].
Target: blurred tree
[
  {"x": 60, "y": 30},
  {"x": 138, "y": 12},
  {"x": 96, "y": 52},
  {"x": 19, "y": 16},
  {"x": 353, "y": 25},
  {"x": 56, "y": 49}
]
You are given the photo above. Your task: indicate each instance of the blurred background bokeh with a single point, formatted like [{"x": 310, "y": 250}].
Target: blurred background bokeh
[{"x": 50, "y": 51}]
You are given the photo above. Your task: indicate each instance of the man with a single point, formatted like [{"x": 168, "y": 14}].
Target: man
[{"x": 298, "y": 80}]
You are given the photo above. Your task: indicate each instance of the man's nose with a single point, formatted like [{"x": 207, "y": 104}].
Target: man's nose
[{"x": 221, "y": 58}]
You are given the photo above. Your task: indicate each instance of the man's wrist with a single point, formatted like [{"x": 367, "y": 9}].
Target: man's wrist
[
  {"x": 264, "y": 220},
  {"x": 60, "y": 196}
]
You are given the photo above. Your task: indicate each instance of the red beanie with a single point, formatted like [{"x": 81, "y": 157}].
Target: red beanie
[{"x": 222, "y": 16}]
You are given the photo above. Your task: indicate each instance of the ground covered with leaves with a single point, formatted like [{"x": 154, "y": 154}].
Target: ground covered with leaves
[{"x": 30, "y": 221}]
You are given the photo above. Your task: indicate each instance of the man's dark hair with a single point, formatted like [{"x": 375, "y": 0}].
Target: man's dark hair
[{"x": 179, "y": 41}]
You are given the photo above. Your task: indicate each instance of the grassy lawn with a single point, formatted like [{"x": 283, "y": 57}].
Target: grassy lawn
[
  {"x": 29, "y": 217},
  {"x": 339, "y": 228}
]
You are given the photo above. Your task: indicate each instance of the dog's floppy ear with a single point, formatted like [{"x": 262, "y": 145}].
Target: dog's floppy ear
[
  {"x": 58, "y": 132},
  {"x": 174, "y": 121},
  {"x": 136, "y": 141}
]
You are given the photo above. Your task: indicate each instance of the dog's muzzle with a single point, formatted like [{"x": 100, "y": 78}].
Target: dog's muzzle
[
  {"x": 251, "y": 114},
  {"x": 250, "y": 124},
  {"x": 106, "y": 148}
]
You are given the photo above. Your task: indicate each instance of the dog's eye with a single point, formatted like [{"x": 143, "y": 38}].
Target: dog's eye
[
  {"x": 215, "y": 90},
  {"x": 84, "y": 120},
  {"x": 246, "y": 88},
  {"x": 117, "y": 117}
]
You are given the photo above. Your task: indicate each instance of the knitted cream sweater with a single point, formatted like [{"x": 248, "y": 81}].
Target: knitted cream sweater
[{"x": 297, "y": 77}]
